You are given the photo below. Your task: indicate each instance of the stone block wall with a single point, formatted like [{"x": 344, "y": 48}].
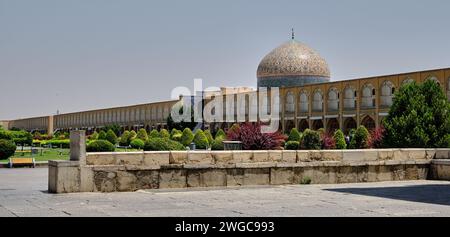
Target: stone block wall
[{"x": 110, "y": 172}]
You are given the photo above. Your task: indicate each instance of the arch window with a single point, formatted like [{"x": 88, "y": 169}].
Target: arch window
[
  {"x": 333, "y": 99},
  {"x": 368, "y": 96},
  {"x": 318, "y": 101}
]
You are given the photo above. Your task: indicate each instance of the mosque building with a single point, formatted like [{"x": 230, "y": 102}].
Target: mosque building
[{"x": 308, "y": 98}]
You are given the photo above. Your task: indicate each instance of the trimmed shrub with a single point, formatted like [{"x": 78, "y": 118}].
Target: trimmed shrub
[
  {"x": 234, "y": 132},
  {"x": 5, "y": 134},
  {"x": 111, "y": 137},
  {"x": 187, "y": 137},
  {"x": 209, "y": 136},
  {"x": 7, "y": 149},
  {"x": 175, "y": 135},
  {"x": 217, "y": 144},
  {"x": 376, "y": 138},
  {"x": 292, "y": 145},
  {"x": 221, "y": 133},
  {"x": 253, "y": 139},
  {"x": 154, "y": 134},
  {"x": 133, "y": 135},
  {"x": 94, "y": 136},
  {"x": 125, "y": 139},
  {"x": 100, "y": 146},
  {"x": 164, "y": 133},
  {"x": 142, "y": 134},
  {"x": 328, "y": 141},
  {"x": 339, "y": 138},
  {"x": 311, "y": 140},
  {"x": 65, "y": 143},
  {"x": 360, "y": 139},
  {"x": 101, "y": 135},
  {"x": 200, "y": 140},
  {"x": 161, "y": 144},
  {"x": 294, "y": 135},
  {"x": 137, "y": 143}
]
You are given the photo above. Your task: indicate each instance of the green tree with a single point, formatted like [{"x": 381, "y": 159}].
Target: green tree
[
  {"x": 133, "y": 135},
  {"x": 200, "y": 140},
  {"x": 209, "y": 136},
  {"x": 111, "y": 136},
  {"x": 115, "y": 127},
  {"x": 339, "y": 138},
  {"x": 311, "y": 140},
  {"x": 361, "y": 139},
  {"x": 294, "y": 135},
  {"x": 137, "y": 144},
  {"x": 142, "y": 134},
  {"x": 418, "y": 118},
  {"x": 187, "y": 137},
  {"x": 7, "y": 149},
  {"x": 94, "y": 136},
  {"x": 154, "y": 134},
  {"x": 221, "y": 133},
  {"x": 164, "y": 134},
  {"x": 102, "y": 135},
  {"x": 125, "y": 139}
]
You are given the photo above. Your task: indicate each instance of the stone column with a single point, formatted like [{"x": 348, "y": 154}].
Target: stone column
[{"x": 78, "y": 146}]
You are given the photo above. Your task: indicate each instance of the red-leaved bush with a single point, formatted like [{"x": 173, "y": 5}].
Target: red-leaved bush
[
  {"x": 328, "y": 141},
  {"x": 376, "y": 137},
  {"x": 253, "y": 139}
]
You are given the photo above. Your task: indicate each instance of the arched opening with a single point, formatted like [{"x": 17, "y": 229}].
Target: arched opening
[
  {"x": 349, "y": 124},
  {"x": 433, "y": 78},
  {"x": 303, "y": 103},
  {"x": 332, "y": 125},
  {"x": 147, "y": 128},
  {"x": 333, "y": 100},
  {"x": 407, "y": 81},
  {"x": 290, "y": 103},
  {"x": 387, "y": 93},
  {"x": 303, "y": 125},
  {"x": 368, "y": 96},
  {"x": 349, "y": 98},
  {"x": 289, "y": 125},
  {"x": 317, "y": 124},
  {"x": 369, "y": 123},
  {"x": 318, "y": 101}
]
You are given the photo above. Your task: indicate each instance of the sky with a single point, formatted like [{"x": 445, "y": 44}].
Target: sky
[{"x": 90, "y": 54}]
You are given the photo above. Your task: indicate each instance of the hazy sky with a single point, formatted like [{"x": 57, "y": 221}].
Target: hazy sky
[{"x": 79, "y": 55}]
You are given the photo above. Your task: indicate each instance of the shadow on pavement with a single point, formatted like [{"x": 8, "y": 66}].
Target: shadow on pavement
[{"x": 432, "y": 193}]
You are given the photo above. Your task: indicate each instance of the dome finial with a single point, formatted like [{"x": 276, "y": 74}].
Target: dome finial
[{"x": 293, "y": 34}]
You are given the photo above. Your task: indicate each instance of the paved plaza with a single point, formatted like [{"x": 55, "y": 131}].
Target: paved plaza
[{"x": 23, "y": 193}]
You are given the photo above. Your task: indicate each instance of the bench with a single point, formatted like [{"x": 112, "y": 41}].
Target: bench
[{"x": 22, "y": 162}]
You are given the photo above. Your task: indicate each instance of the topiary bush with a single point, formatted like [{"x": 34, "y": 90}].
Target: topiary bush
[
  {"x": 164, "y": 134},
  {"x": 175, "y": 135},
  {"x": 221, "y": 133},
  {"x": 311, "y": 140},
  {"x": 339, "y": 138},
  {"x": 154, "y": 134},
  {"x": 142, "y": 134},
  {"x": 187, "y": 137},
  {"x": 234, "y": 132},
  {"x": 294, "y": 135},
  {"x": 292, "y": 145},
  {"x": 7, "y": 149},
  {"x": 94, "y": 136},
  {"x": 137, "y": 144},
  {"x": 111, "y": 137},
  {"x": 376, "y": 138},
  {"x": 101, "y": 135},
  {"x": 100, "y": 146},
  {"x": 200, "y": 140},
  {"x": 125, "y": 139},
  {"x": 217, "y": 144},
  {"x": 162, "y": 144},
  {"x": 209, "y": 136},
  {"x": 360, "y": 139},
  {"x": 328, "y": 141},
  {"x": 133, "y": 135},
  {"x": 253, "y": 139}
]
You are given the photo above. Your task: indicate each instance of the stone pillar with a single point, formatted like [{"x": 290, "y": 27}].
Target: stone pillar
[{"x": 78, "y": 146}]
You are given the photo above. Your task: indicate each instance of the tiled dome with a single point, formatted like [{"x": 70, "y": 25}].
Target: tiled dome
[{"x": 293, "y": 59}]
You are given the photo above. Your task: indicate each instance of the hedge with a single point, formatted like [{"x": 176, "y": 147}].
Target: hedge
[{"x": 100, "y": 146}]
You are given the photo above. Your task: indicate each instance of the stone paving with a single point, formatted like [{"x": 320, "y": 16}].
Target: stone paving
[{"x": 23, "y": 193}]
